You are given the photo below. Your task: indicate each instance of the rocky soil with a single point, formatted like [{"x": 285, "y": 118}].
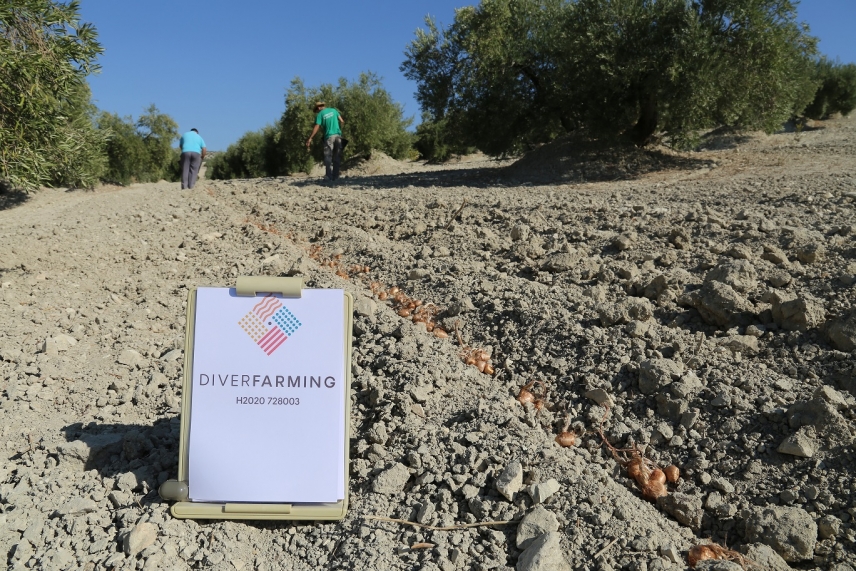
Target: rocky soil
[{"x": 707, "y": 299}]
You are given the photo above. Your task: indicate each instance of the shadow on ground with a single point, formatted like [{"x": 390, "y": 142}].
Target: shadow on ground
[
  {"x": 12, "y": 198},
  {"x": 563, "y": 161}
]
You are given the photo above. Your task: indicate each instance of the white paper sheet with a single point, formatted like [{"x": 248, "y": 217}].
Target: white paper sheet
[{"x": 268, "y": 402}]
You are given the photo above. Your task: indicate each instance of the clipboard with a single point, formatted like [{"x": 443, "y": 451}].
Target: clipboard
[{"x": 179, "y": 490}]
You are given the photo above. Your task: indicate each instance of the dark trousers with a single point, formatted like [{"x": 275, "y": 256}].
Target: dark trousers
[
  {"x": 190, "y": 163},
  {"x": 332, "y": 156}
]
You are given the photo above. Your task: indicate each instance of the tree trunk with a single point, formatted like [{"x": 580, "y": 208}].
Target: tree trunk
[{"x": 646, "y": 125}]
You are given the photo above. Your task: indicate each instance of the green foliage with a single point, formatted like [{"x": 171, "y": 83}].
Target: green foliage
[
  {"x": 509, "y": 74},
  {"x": 372, "y": 121},
  {"x": 437, "y": 141},
  {"x": 837, "y": 92},
  {"x": 256, "y": 154},
  {"x": 141, "y": 151},
  {"x": 46, "y": 131}
]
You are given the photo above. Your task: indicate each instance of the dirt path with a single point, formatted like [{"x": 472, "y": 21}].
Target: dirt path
[{"x": 701, "y": 302}]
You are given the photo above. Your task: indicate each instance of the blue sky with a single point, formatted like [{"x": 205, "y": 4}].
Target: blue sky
[{"x": 223, "y": 66}]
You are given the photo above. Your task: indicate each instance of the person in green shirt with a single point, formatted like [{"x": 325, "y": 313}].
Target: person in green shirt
[{"x": 332, "y": 122}]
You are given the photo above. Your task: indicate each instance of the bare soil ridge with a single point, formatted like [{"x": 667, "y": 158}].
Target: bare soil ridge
[{"x": 709, "y": 303}]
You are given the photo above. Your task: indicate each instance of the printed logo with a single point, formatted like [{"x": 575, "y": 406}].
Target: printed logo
[{"x": 269, "y": 324}]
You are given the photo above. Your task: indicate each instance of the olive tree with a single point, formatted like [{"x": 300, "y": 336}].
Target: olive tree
[
  {"x": 509, "y": 74},
  {"x": 373, "y": 121},
  {"x": 47, "y": 134}
]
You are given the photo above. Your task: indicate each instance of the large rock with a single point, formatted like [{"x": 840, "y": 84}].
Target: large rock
[
  {"x": 790, "y": 531},
  {"x": 842, "y": 332},
  {"x": 544, "y": 554},
  {"x": 802, "y": 443},
  {"x": 739, "y": 274},
  {"x": 90, "y": 451},
  {"x": 654, "y": 374},
  {"x": 719, "y": 304},
  {"x": 797, "y": 313},
  {"x": 392, "y": 480},
  {"x": 538, "y": 521}
]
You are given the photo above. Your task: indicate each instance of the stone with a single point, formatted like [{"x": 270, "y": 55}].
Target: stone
[
  {"x": 687, "y": 509},
  {"x": 799, "y": 444},
  {"x": 625, "y": 311},
  {"x": 739, "y": 274},
  {"x": 540, "y": 492},
  {"x": 600, "y": 396},
  {"x": 637, "y": 329},
  {"x": 719, "y": 304},
  {"x": 510, "y": 480},
  {"x": 830, "y": 395},
  {"x": 779, "y": 278},
  {"x": 828, "y": 526},
  {"x": 171, "y": 356},
  {"x": 775, "y": 255},
  {"x": 671, "y": 553},
  {"x": 535, "y": 523},
  {"x": 811, "y": 253},
  {"x": 740, "y": 252},
  {"x": 53, "y": 345},
  {"x": 392, "y": 480},
  {"x": 418, "y": 273},
  {"x": 425, "y": 513},
  {"x": 544, "y": 554},
  {"x": 722, "y": 485},
  {"x": 797, "y": 314},
  {"x": 520, "y": 232},
  {"x": 141, "y": 536},
  {"x": 127, "y": 482},
  {"x": 90, "y": 450},
  {"x": 764, "y": 557},
  {"x": 654, "y": 374},
  {"x": 365, "y": 306},
  {"x": 790, "y": 531},
  {"x": 130, "y": 358},
  {"x": 623, "y": 242},
  {"x": 561, "y": 262},
  {"x": 746, "y": 344},
  {"x": 842, "y": 332}
]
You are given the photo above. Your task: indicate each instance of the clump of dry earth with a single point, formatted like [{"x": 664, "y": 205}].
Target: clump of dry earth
[{"x": 706, "y": 298}]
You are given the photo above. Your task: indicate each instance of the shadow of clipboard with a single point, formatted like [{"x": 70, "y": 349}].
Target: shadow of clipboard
[{"x": 178, "y": 490}]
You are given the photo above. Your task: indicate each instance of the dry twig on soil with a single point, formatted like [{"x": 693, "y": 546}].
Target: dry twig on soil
[
  {"x": 437, "y": 528},
  {"x": 456, "y": 214}
]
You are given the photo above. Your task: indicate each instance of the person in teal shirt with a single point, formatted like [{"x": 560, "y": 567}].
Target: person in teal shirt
[
  {"x": 332, "y": 122},
  {"x": 192, "y": 153}
]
